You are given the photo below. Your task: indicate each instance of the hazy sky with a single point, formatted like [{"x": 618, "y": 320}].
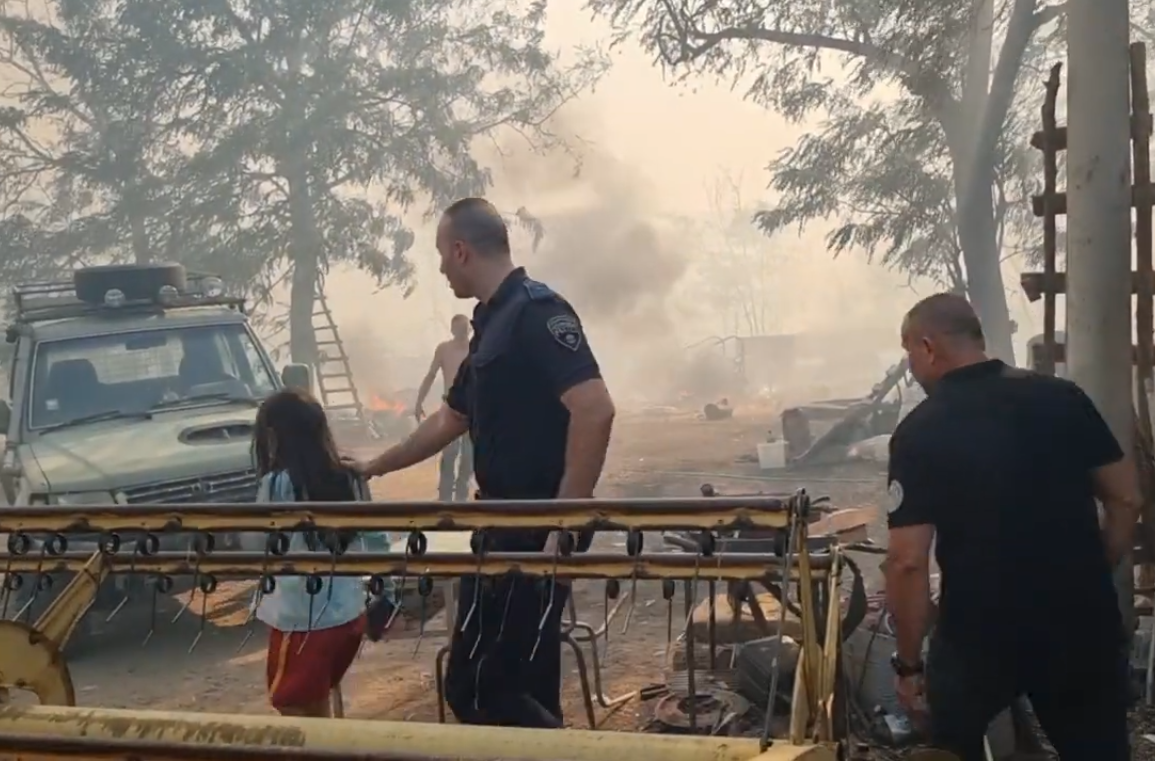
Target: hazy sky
[{"x": 674, "y": 142}]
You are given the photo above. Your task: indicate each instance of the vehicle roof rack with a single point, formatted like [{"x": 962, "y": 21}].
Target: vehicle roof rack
[{"x": 56, "y": 300}]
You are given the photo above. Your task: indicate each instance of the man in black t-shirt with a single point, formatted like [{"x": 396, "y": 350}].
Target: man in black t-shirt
[{"x": 1000, "y": 469}]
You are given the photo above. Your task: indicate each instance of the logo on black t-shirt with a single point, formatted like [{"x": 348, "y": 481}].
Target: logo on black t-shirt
[{"x": 895, "y": 494}]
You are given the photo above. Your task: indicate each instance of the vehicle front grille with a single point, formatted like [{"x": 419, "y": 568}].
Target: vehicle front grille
[{"x": 238, "y": 486}]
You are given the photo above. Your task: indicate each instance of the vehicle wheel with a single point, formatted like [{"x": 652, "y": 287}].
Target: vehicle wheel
[{"x": 136, "y": 281}]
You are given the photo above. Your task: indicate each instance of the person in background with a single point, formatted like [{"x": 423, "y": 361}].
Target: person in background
[
  {"x": 456, "y": 466},
  {"x": 313, "y": 639},
  {"x": 1000, "y": 469},
  {"x": 531, "y": 396}
]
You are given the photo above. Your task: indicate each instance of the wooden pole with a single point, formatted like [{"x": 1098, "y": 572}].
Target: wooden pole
[{"x": 1099, "y": 224}]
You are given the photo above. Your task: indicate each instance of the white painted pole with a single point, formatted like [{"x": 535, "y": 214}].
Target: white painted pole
[{"x": 1099, "y": 222}]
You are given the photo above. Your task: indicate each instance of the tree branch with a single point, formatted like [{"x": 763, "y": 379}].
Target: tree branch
[
  {"x": 792, "y": 39},
  {"x": 1048, "y": 13},
  {"x": 917, "y": 80}
]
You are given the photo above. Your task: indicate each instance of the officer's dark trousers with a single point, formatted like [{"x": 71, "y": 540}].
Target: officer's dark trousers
[
  {"x": 497, "y": 684},
  {"x": 1079, "y": 693}
]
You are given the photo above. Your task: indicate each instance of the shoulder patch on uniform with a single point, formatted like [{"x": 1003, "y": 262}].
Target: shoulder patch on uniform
[
  {"x": 566, "y": 330},
  {"x": 538, "y": 291},
  {"x": 894, "y": 495}
]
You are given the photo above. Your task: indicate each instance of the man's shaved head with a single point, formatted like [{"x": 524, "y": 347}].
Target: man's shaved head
[
  {"x": 479, "y": 224},
  {"x": 941, "y": 333},
  {"x": 945, "y": 315},
  {"x": 473, "y": 243}
]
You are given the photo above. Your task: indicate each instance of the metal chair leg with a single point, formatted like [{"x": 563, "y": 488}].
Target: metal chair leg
[
  {"x": 583, "y": 678},
  {"x": 439, "y": 677},
  {"x": 589, "y": 635},
  {"x": 591, "y": 638}
]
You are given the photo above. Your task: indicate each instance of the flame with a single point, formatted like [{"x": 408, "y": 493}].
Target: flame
[{"x": 377, "y": 403}]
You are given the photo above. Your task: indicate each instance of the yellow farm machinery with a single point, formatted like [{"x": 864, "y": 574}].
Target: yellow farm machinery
[{"x": 802, "y": 570}]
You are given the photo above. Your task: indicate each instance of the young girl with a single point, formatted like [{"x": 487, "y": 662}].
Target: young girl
[{"x": 313, "y": 639}]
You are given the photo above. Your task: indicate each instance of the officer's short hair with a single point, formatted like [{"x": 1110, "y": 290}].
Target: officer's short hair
[
  {"x": 478, "y": 222},
  {"x": 946, "y": 314}
]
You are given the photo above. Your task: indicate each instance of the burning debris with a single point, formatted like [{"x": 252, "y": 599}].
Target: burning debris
[
  {"x": 376, "y": 403},
  {"x": 391, "y": 417}
]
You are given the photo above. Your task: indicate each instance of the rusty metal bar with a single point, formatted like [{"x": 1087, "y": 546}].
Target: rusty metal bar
[
  {"x": 1144, "y": 303},
  {"x": 723, "y": 566},
  {"x": 1138, "y": 194},
  {"x": 42, "y": 748},
  {"x": 1033, "y": 285},
  {"x": 1141, "y": 152},
  {"x": 294, "y": 738},
  {"x": 1137, "y": 128},
  {"x": 1050, "y": 223},
  {"x": 646, "y": 514}
]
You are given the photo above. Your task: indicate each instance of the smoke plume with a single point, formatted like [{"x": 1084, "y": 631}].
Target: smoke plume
[{"x": 608, "y": 249}]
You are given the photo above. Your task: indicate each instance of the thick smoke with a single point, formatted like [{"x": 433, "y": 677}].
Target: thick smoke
[
  {"x": 368, "y": 361},
  {"x": 608, "y": 249}
]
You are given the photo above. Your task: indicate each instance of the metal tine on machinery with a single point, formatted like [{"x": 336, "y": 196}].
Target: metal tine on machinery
[
  {"x": 634, "y": 516},
  {"x": 657, "y": 566},
  {"x": 706, "y": 518},
  {"x": 714, "y": 514}
]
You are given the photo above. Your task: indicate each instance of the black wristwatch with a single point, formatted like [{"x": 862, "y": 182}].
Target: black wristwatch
[{"x": 904, "y": 669}]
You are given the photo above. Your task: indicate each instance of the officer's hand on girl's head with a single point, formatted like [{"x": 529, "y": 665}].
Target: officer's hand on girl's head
[{"x": 358, "y": 467}]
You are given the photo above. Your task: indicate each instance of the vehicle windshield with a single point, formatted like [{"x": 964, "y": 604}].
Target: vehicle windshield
[{"x": 90, "y": 378}]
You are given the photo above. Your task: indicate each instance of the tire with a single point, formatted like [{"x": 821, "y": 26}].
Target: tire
[{"x": 138, "y": 282}]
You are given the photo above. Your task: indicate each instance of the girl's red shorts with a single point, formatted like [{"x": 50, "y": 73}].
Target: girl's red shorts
[{"x": 303, "y": 668}]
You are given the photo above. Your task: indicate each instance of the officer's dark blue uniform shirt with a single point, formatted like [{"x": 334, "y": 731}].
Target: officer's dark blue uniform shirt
[{"x": 528, "y": 348}]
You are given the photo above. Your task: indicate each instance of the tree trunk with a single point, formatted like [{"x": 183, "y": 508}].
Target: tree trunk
[
  {"x": 979, "y": 240},
  {"x": 306, "y": 263},
  {"x": 141, "y": 250},
  {"x": 978, "y": 231},
  {"x": 302, "y": 297},
  {"x": 139, "y": 208},
  {"x": 974, "y": 153}
]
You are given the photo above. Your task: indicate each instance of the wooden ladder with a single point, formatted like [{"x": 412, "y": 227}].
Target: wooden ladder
[
  {"x": 335, "y": 383},
  {"x": 1051, "y": 283}
]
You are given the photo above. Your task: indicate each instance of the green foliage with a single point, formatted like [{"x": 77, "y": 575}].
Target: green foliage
[
  {"x": 885, "y": 185},
  {"x": 245, "y": 137},
  {"x": 887, "y": 82}
]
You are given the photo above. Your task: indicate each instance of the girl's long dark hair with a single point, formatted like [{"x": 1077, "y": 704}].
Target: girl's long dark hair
[{"x": 292, "y": 434}]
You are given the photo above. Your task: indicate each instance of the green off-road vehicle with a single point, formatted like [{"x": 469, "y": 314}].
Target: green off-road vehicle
[{"x": 131, "y": 385}]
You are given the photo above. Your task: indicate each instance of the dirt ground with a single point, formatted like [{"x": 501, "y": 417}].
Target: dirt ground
[{"x": 655, "y": 455}]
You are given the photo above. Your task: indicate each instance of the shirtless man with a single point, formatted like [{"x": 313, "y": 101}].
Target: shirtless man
[{"x": 458, "y": 456}]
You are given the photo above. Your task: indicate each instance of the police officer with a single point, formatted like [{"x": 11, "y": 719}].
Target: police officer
[
  {"x": 532, "y": 399},
  {"x": 1004, "y": 467}
]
